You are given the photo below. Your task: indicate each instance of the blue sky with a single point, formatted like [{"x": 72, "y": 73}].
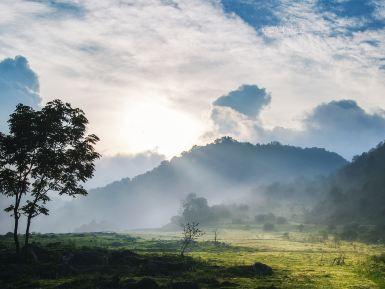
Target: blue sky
[{"x": 150, "y": 74}]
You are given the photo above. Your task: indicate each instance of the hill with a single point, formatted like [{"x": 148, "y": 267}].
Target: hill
[
  {"x": 221, "y": 171},
  {"x": 356, "y": 192}
]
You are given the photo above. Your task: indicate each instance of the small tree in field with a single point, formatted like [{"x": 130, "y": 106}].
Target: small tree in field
[
  {"x": 45, "y": 151},
  {"x": 216, "y": 236},
  {"x": 191, "y": 232}
]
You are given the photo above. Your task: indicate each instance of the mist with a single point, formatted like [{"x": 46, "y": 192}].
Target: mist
[{"x": 225, "y": 172}]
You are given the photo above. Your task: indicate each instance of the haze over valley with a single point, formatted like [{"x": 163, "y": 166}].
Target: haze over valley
[{"x": 192, "y": 144}]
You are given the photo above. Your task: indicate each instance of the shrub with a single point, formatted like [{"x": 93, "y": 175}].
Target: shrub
[
  {"x": 281, "y": 220},
  {"x": 301, "y": 227},
  {"x": 265, "y": 218},
  {"x": 268, "y": 227}
]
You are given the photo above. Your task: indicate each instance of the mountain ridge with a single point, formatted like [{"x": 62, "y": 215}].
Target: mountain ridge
[
  {"x": 271, "y": 148},
  {"x": 225, "y": 170}
]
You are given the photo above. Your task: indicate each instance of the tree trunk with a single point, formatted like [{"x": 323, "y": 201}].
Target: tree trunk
[
  {"x": 29, "y": 219},
  {"x": 184, "y": 247},
  {"x": 27, "y": 231},
  {"x": 15, "y": 235},
  {"x": 16, "y": 225}
]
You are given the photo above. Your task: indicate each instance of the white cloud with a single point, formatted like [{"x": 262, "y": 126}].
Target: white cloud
[
  {"x": 158, "y": 66},
  {"x": 341, "y": 126}
]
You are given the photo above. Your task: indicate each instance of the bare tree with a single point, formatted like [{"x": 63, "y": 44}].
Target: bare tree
[
  {"x": 215, "y": 236},
  {"x": 191, "y": 232}
]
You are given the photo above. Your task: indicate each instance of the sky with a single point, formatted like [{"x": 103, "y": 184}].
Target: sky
[{"x": 156, "y": 77}]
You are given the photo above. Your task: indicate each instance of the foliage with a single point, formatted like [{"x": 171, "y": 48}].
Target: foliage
[
  {"x": 355, "y": 194},
  {"x": 195, "y": 209},
  {"x": 45, "y": 151}
]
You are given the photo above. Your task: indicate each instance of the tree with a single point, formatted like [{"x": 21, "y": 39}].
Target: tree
[
  {"x": 195, "y": 209},
  {"x": 45, "y": 151},
  {"x": 216, "y": 236},
  {"x": 191, "y": 232}
]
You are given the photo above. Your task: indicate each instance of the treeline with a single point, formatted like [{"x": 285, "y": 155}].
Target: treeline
[
  {"x": 355, "y": 194},
  {"x": 196, "y": 209}
]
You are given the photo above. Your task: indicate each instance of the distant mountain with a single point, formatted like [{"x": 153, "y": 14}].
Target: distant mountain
[
  {"x": 221, "y": 171},
  {"x": 356, "y": 192},
  {"x": 237, "y": 163}
]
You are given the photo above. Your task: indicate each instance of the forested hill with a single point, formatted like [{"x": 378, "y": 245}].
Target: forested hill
[
  {"x": 227, "y": 160},
  {"x": 357, "y": 192},
  {"x": 224, "y": 170}
]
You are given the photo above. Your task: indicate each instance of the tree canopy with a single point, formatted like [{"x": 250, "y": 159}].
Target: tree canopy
[{"x": 45, "y": 151}]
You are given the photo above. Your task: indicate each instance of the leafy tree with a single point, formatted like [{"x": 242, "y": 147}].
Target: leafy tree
[
  {"x": 265, "y": 218},
  {"x": 281, "y": 220},
  {"x": 195, "y": 209},
  {"x": 301, "y": 227},
  {"x": 45, "y": 151}
]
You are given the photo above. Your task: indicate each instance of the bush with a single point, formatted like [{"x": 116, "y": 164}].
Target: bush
[
  {"x": 332, "y": 228},
  {"x": 324, "y": 235},
  {"x": 268, "y": 227},
  {"x": 349, "y": 232},
  {"x": 281, "y": 220},
  {"x": 237, "y": 221},
  {"x": 301, "y": 227},
  {"x": 349, "y": 235},
  {"x": 265, "y": 218}
]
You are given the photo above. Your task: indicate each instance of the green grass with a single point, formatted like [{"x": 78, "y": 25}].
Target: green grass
[{"x": 299, "y": 260}]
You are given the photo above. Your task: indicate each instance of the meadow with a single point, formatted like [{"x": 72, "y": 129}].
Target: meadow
[{"x": 150, "y": 259}]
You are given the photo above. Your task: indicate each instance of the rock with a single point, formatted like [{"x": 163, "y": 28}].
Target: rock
[
  {"x": 261, "y": 269},
  {"x": 256, "y": 270}
]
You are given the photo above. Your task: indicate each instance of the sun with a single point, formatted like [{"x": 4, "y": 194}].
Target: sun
[{"x": 154, "y": 124}]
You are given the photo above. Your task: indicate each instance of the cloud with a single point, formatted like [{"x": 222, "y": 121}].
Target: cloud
[
  {"x": 18, "y": 84},
  {"x": 114, "y": 168},
  {"x": 147, "y": 71},
  {"x": 344, "y": 115},
  {"x": 341, "y": 126},
  {"x": 230, "y": 122},
  {"x": 247, "y": 99}
]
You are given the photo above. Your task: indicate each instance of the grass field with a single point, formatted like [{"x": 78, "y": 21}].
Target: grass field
[{"x": 298, "y": 259}]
